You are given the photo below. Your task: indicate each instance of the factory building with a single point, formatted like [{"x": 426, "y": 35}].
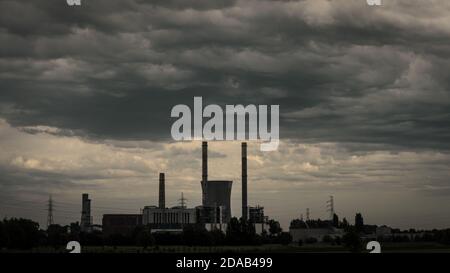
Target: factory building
[
  {"x": 209, "y": 214},
  {"x": 256, "y": 215},
  {"x": 257, "y": 218},
  {"x": 168, "y": 218},
  {"x": 158, "y": 218},
  {"x": 123, "y": 224}
]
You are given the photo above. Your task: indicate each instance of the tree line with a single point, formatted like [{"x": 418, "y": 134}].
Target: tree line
[{"x": 26, "y": 234}]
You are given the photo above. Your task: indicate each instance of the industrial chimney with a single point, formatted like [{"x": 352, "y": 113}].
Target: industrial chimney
[
  {"x": 162, "y": 191},
  {"x": 86, "y": 218},
  {"x": 244, "y": 181},
  {"x": 204, "y": 172}
]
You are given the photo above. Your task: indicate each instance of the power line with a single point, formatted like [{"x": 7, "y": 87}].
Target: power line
[
  {"x": 182, "y": 201},
  {"x": 50, "y": 212},
  {"x": 330, "y": 207},
  {"x": 56, "y": 204}
]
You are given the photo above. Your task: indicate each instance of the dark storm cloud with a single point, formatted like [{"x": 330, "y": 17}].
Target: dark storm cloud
[{"x": 341, "y": 71}]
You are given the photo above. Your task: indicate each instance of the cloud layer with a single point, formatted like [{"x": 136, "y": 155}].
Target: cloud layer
[{"x": 364, "y": 96}]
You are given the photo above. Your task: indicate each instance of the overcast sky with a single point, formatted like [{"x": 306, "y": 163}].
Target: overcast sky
[{"x": 364, "y": 94}]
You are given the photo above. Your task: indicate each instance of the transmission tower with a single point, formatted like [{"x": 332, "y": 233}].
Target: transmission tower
[
  {"x": 330, "y": 207},
  {"x": 182, "y": 201},
  {"x": 50, "y": 212},
  {"x": 307, "y": 214}
]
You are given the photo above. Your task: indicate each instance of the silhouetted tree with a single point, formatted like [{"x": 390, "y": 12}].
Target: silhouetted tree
[
  {"x": 3, "y": 237},
  {"x": 143, "y": 237},
  {"x": 335, "y": 220},
  {"x": 218, "y": 237},
  {"x": 359, "y": 222},
  {"x": 93, "y": 238},
  {"x": 233, "y": 232},
  {"x": 240, "y": 232},
  {"x": 19, "y": 233},
  {"x": 443, "y": 236},
  {"x": 310, "y": 240},
  {"x": 285, "y": 238},
  {"x": 57, "y": 235},
  {"x": 196, "y": 235},
  {"x": 274, "y": 227},
  {"x": 327, "y": 239},
  {"x": 352, "y": 241},
  {"x": 345, "y": 224},
  {"x": 297, "y": 223},
  {"x": 74, "y": 230}
]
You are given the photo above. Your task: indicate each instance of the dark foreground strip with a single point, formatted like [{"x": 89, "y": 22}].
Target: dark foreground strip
[{"x": 224, "y": 262}]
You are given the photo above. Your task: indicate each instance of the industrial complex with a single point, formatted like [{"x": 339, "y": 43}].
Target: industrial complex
[{"x": 213, "y": 213}]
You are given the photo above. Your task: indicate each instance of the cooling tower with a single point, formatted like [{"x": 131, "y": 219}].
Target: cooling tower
[
  {"x": 218, "y": 194},
  {"x": 215, "y": 193}
]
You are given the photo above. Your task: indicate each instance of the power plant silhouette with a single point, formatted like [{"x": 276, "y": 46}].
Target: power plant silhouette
[{"x": 214, "y": 212}]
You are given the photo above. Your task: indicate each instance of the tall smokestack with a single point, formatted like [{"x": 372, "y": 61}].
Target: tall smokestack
[
  {"x": 162, "y": 191},
  {"x": 204, "y": 171},
  {"x": 86, "y": 219},
  {"x": 244, "y": 181},
  {"x": 204, "y": 161}
]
